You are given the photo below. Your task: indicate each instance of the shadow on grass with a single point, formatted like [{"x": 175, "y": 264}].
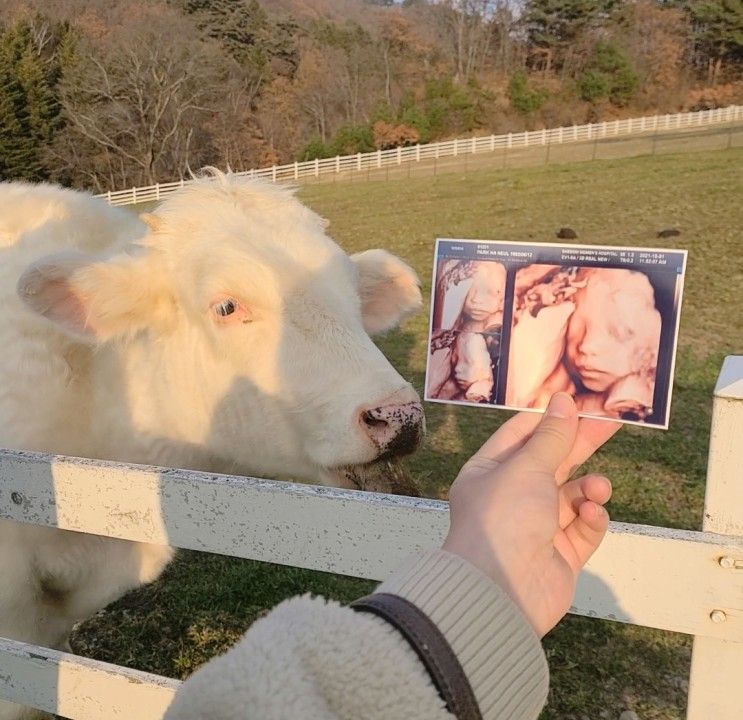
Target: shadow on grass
[
  {"x": 198, "y": 608},
  {"x": 635, "y": 668}
]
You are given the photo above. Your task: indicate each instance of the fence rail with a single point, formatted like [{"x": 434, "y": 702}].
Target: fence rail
[
  {"x": 679, "y": 580},
  {"x": 297, "y": 171}
]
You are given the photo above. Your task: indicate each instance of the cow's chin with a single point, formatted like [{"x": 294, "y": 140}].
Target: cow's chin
[{"x": 385, "y": 476}]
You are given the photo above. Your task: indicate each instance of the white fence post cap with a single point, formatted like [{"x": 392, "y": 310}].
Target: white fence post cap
[{"x": 730, "y": 380}]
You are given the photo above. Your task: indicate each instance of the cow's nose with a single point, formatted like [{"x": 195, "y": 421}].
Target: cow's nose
[{"x": 395, "y": 429}]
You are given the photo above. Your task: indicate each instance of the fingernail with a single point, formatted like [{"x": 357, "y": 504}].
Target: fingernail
[{"x": 561, "y": 405}]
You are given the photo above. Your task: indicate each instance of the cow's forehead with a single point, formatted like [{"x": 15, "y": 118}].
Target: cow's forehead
[{"x": 241, "y": 228}]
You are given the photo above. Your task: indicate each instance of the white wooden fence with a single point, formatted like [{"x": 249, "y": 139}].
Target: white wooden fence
[
  {"x": 680, "y": 580},
  {"x": 451, "y": 148}
]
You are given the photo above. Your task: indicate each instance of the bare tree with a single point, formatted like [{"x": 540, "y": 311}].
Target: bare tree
[
  {"x": 140, "y": 103},
  {"x": 466, "y": 26},
  {"x": 403, "y": 52}
]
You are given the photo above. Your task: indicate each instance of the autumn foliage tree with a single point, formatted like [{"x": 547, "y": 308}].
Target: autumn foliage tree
[{"x": 109, "y": 93}]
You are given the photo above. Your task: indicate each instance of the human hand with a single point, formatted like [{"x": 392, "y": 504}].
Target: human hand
[{"x": 517, "y": 517}]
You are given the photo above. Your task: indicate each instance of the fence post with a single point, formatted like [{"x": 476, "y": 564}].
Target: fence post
[
  {"x": 492, "y": 143},
  {"x": 182, "y": 183},
  {"x": 474, "y": 145},
  {"x": 317, "y": 167},
  {"x": 134, "y": 196},
  {"x": 296, "y": 170},
  {"x": 379, "y": 158},
  {"x": 717, "y": 665},
  {"x": 157, "y": 191},
  {"x": 399, "y": 154},
  {"x": 510, "y": 139},
  {"x": 358, "y": 161},
  {"x": 108, "y": 193},
  {"x": 337, "y": 163},
  {"x": 273, "y": 173},
  {"x": 418, "y": 153},
  {"x": 560, "y": 137},
  {"x": 455, "y": 147}
]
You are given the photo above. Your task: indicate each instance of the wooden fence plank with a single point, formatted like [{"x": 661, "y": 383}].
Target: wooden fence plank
[
  {"x": 355, "y": 533},
  {"x": 80, "y": 688}
]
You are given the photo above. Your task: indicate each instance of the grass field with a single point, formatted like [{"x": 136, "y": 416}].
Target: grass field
[{"x": 203, "y": 603}]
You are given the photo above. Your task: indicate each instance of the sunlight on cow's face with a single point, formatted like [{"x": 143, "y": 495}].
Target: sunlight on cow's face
[
  {"x": 238, "y": 293},
  {"x": 282, "y": 305}
]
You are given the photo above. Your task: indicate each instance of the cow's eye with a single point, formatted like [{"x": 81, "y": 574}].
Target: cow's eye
[
  {"x": 228, "y": 310},
  {"x": 225, "y": 308}
]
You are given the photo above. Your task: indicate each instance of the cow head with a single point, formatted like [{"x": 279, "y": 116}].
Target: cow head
[{"x": 237, "y": 325}]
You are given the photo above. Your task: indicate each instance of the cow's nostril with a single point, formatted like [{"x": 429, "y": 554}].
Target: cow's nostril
[
  {"x": 395, "y": 429},
  {"x": 372, "y": 421}
]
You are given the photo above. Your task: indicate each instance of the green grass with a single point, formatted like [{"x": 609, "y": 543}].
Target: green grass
[{"x": 203, "y": 603}]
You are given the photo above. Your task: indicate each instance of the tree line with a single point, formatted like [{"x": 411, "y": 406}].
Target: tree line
[{"x": 107, "y": 94}]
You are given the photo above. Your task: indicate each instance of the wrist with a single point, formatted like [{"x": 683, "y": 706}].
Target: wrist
[{"x": 484, "y": 560}]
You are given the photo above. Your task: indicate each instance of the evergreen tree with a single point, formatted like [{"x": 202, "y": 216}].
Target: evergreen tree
[
  {"x": 240, "y": 25},
  {"x": 717, "y": 31},
  {"x": 29, "y": 111},
  {"x": 552, "y": 25},
  {"x": 18, "y": 156},
  {"x": 524, "y": 98},
  {"x": 609, "y": 75},
  {"x": 16, "y": 145}
]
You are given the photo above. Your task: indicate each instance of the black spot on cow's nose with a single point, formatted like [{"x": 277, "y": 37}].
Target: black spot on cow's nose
[{"x": 405, "y": 441}]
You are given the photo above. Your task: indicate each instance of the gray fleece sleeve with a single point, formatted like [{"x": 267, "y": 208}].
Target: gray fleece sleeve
[{"x": 317, "y": 660}]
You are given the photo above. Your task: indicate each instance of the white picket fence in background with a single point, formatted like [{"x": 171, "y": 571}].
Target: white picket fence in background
[
  {"x": 452, "y": 148},
  {"x": 680, "y": 580}
]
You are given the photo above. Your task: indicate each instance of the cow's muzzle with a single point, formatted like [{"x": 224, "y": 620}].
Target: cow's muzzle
[{"x": 395, "y": 430}]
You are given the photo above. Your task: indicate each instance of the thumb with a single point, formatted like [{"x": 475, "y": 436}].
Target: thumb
[{"x": 554, "y": 437}]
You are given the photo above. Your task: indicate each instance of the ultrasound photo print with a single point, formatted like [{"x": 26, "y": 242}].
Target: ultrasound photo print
[{"x": 513, "y": 323}]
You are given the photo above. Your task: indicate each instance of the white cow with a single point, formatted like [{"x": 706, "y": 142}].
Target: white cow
[{"x": 226, "y": 332}]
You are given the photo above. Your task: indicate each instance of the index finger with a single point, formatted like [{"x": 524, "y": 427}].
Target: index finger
[
  {"x": 592, "y": 434},
  {"x": 513, "y": 434},
  {"x": 509, "y": 437}
]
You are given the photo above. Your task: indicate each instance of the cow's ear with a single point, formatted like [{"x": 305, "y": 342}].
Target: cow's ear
[
  {"x": 94, "y": 299},
  {"x": 389, "y": 290}
]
